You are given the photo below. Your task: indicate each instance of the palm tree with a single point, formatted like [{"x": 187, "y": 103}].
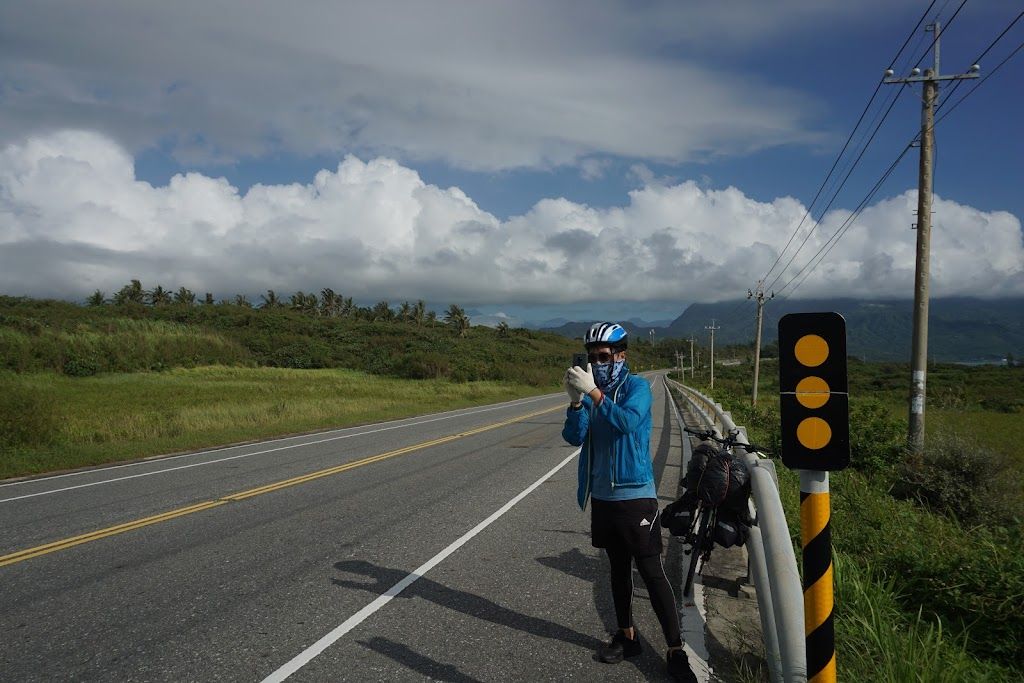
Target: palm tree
[
  {"x": 159, "y": 296},
  {"x": 310, "y": 304},
  {"x": 419, "y": 312},
  {"x": 405, "y": 312},
  {"x": 97, "y": 298},
  {"x": 457, "y": 318},
  {"x": 242, "y": 300},
  {"x": 431, "y": 316},
  {"x": 503, "y": 329},
  {"x": 131, "y": 293},
  {"x": 271, "y": 300},
  {"x": 208, "y": 299},
  {"x": 381, "y": 312},
  {"x": 330, "y": 302},
  {"x": 185, "y": 296},
  {"x": 297, "y": 300}
]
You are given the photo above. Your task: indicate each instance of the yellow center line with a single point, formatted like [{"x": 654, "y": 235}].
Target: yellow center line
[{"x": 29, "y": 553}]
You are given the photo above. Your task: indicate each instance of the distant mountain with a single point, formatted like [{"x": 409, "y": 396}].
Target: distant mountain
[
  {"x": 959, "y": 329},
  {"x": 639, "y": 322},
  {"x": 575, "y": 330},
  {"x": 547, "y": 324}
]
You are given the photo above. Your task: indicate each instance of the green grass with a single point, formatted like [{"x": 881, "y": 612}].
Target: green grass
[
  {"x": 110, "y": 417},
  {"x": 877, "y": 641},
  {"x": 1003, "y": 432}
]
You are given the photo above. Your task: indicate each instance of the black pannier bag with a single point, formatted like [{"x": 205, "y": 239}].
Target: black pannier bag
[{"x": 718, "y": 479}]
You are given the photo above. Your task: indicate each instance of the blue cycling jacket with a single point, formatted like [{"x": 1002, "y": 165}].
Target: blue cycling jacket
[{"x": 618, "y": 430}]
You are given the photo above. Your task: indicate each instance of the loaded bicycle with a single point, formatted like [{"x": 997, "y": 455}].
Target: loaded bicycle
[{"x": 715, "y": 481}]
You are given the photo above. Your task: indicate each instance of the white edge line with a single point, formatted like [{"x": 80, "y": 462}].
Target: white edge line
[
  {"x": 334, "y": 635},
  {"x": 206, "y": 451},
  {"x": 693, "y": 619},
  {"x": 232, "y": 457}
]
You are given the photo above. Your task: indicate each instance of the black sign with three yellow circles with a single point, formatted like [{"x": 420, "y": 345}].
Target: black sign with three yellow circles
[{"x": 813, "y": 398}]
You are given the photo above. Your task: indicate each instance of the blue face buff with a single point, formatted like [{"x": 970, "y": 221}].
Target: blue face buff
[{"x": 607, "y": 375}]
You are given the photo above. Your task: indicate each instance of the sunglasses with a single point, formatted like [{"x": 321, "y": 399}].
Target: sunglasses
[{"x": 600, "y": 357}]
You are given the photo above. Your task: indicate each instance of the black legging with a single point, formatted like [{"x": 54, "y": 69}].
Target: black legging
[{"x": 662, "y": 598}]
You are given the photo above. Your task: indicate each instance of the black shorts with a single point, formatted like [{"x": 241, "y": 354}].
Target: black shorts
[{"x": 632, "y": 525}]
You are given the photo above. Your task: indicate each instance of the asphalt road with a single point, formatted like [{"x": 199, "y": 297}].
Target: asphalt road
[{"x": 385, "y": 552}]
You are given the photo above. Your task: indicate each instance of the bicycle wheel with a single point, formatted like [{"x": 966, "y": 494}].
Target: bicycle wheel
[{"x": 698, "y": 548}]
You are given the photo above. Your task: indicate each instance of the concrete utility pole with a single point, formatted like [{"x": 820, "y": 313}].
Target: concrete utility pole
[
  {"x": 919, "y": 352},
  {"x": 693, "y": 368},
  {"x": 758, "y": 296},
  {"x": 712, "y": 328}
]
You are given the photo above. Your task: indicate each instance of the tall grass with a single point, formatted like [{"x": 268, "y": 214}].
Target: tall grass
[
  {"x": 92, "y": 420},
  {"x": 115, "y": 345},
  {"x": 876, "y": 640}
]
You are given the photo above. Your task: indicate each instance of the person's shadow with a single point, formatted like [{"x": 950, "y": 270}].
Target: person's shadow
[
  {"x": 379, "y": 580},
  {"x": 408, "y": 657}
]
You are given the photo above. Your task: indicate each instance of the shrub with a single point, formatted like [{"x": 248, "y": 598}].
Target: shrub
[
  {"x": 1003, "y": 404},
  {"x": 76, "y": 365},
  {"x": 301, "y": 355},
  {"x": 422, "y": 366},
  {"x": 876, "y": 437},
  {"x": 957, "y": 478}
]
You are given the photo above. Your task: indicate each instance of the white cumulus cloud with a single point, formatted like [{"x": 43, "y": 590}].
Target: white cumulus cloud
[{"x": 73, "y": 218}]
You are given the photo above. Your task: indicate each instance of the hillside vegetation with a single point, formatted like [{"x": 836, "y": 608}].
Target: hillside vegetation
[
  {"x": 145, "y": 375},
  {"x": 130, "y": 337}
]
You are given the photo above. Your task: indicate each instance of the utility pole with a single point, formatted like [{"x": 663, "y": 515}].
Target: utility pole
[
  {"x": 758, "y": 295},
  {"x": 919, "y": 346},
  {"x": 693, "y": 368},
  {"x": 712, "y": 328}
]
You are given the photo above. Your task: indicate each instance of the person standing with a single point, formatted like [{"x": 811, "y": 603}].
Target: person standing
[{"x": 609, "y": 416}]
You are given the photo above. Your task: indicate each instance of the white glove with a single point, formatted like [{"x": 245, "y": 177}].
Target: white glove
[
  {"x": 581, "y": 380},
  {"x": 574, "y": 396}
]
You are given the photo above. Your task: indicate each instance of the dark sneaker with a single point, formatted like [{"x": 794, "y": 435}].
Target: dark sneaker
[
  {"x": 679, "y": 667},
  {"x": 619, "y": 648}
]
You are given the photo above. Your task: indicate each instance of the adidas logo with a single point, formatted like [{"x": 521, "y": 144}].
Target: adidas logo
[{"x": 645, "y": 522}]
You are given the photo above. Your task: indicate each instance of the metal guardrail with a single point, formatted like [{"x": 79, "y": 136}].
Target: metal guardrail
[{"x": 772, "y": 558}]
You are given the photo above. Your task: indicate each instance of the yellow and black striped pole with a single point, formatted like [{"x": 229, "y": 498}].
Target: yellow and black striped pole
[{"x": 815, "y": 511}]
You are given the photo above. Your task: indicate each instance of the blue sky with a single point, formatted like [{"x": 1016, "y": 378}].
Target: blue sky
[{"x": 537, "y": 159}]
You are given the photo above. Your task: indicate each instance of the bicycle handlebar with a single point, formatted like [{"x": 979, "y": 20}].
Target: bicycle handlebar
[{"x": 729, "y": 441}]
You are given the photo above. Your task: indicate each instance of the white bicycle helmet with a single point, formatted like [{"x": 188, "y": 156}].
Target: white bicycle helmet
[{"x": 612, "y": 334}]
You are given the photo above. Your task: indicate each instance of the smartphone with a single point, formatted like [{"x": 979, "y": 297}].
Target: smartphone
[{"x": 579, "y": 360}]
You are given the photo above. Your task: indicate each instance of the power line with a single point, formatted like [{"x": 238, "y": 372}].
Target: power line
[
  {"x": 978, "y": 84},
  {"x": 936, "y": 38},
  {"x": 838, "y": 189},
  {"x": 830, "y": 243},
  {"x": 845, "y": 226},
  {"x": 863, "y": 150},
  {"x": 848, "y": 139},
  {"x": 977, "y": 60}
]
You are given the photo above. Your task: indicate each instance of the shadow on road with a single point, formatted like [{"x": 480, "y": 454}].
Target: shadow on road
[
  {"x": 422, "y": 664},
  {"x": 461, "y": 601}
]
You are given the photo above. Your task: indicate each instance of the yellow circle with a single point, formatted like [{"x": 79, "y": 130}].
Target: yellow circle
[
  {"x": 813, "y": 433},
  {"x": 811, "y": 350},
  {"x": 812, "y": 392}
]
